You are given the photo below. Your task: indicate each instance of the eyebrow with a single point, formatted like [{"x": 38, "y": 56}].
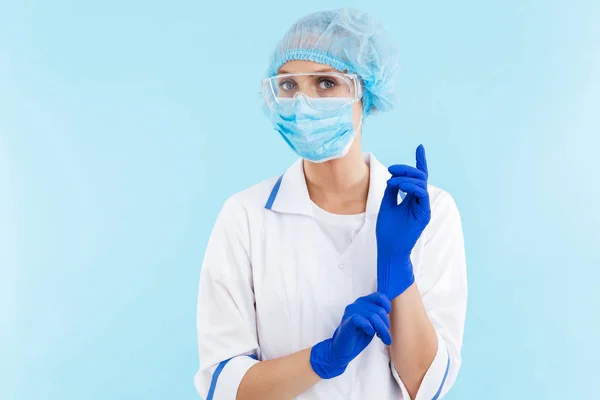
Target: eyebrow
[{"x": 282, "y": 71}]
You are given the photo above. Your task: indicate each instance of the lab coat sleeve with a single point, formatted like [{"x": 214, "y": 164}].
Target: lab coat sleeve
[
  {"x": 443, "y": 288},
  {"x": 227, "y": 339}
]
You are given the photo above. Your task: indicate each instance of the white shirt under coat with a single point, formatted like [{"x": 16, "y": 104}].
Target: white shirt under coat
[{"x": 275, "y": 282}]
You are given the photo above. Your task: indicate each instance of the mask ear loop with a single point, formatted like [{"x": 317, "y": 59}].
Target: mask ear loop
[{"x": 359, "y": 127}]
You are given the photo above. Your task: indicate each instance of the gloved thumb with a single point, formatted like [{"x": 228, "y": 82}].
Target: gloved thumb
[{"x": 390, "y": 196}]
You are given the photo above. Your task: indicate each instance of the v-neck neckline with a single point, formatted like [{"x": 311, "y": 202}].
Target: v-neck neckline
[{"x": 325, "y": 219}]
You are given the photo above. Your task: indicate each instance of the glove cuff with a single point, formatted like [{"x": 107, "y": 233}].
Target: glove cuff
[
  {"x": 389, "y": 280},
  {"x": 323, "y": 362}
]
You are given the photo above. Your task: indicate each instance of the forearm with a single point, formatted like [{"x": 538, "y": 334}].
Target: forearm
[
  {"x": 282, "y": 378},
  {"x": 414, "y": 341}
]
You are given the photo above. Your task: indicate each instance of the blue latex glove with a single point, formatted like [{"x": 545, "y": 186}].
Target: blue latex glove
[
  {"x": 362, "y": 319},
  {"x": 400, "y": 225}
]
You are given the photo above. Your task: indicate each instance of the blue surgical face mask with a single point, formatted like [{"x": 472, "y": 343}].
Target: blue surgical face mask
[{"x": 317, "y": 133}]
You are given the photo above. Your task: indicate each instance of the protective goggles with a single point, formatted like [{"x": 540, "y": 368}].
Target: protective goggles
[{"x": 281, "y": 89}]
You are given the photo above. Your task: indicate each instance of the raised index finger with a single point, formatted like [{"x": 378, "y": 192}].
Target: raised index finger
[{"x": 421, "y": 160}]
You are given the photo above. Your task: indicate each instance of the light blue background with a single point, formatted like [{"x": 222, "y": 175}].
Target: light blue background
[{"x": 124, "y": 127}]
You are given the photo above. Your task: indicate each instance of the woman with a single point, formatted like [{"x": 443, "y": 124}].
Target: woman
[{"x": 339, "y": 279}]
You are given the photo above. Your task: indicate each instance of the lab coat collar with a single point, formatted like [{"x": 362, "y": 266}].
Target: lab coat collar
[{"x": 290, "y": 194}]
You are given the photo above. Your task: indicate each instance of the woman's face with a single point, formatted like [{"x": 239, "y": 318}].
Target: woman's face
[{"x": 298, "y": 66}]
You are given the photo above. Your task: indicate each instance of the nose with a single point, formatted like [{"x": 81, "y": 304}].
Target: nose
[{"x": 299, "y": 94}]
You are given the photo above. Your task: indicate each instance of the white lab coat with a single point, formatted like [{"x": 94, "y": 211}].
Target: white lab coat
[{"x": 272, "y": 284}]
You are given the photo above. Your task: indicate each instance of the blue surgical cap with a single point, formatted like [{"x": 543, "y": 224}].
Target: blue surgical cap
[{"x": 348, "y": 40}]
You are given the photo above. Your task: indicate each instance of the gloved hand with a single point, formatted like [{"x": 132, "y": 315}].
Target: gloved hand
[
  {"x": 362, "y": 319},
  {"x": 400, "y": 225}
]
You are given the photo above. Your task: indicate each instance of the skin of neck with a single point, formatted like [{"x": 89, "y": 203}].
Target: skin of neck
[{"x": 340, "y": 186}]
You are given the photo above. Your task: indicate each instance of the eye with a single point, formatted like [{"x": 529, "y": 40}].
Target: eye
[
  {"x": 326, "y": 84},
  {"x": 288, "y": 85}
]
